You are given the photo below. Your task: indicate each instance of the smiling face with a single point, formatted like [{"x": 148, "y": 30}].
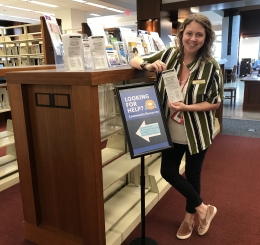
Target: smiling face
[{"x": 193, "y": 38}]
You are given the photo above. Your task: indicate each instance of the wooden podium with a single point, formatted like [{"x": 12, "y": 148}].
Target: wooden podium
[{"x": 57, "y": 133}]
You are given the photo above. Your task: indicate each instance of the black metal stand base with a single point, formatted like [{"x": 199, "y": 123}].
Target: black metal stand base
[{"x": 143, "y": 241}]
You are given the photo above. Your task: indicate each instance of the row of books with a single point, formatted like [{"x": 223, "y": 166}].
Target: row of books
[{"x": 20, "y": 50}]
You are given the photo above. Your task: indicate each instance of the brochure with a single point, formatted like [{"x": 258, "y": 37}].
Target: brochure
[
  {"x": 98, "y": 51},
  {"x": 72, "y": 44},
  {"x": 113, "y": 58},
  {"x": 119, "y": 46},
  {"x": 55, "y": 34},
  {"x": 87, "y": 57}
]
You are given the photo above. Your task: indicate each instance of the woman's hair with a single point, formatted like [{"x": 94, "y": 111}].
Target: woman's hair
[
  {"x": 135, "y": 50},
  {"x": 205, "y": 52}
]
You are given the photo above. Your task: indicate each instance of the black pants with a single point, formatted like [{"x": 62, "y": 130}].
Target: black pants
[{"x": 189, "y": 187}]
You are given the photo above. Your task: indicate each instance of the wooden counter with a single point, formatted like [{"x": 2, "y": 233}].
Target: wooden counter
[
  {"x": 57, "y": 132},
  {"x": 251, "y": 93},
  {"x": 4, "y": 70}
]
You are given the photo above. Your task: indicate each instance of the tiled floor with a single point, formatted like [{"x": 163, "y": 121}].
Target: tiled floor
[{"x": 236, "y": 110}]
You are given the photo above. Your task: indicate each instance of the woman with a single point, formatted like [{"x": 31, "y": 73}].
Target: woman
[{"x": 201, "y": 84}]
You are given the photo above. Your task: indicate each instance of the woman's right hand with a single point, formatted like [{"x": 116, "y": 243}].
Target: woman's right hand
[{"x": 157, "y": 66}]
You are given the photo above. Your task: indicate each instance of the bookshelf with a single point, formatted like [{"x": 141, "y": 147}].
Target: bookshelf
[{"x": 21, "y": 49}]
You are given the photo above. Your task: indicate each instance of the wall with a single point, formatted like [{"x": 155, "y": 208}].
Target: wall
[
  {"x": 249, "y": 48},
  {"x": 232, "y": 57}
]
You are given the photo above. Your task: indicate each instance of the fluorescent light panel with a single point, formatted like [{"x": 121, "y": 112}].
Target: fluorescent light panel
[
  {"x": 98, "y": 5},
  {"x": 23, "y": 9},
  {"x": 95, "y": 15},
  {"x": 41, "y": 3},
  {"x": 18, "y": 17},
  {"x": 12, "y": 7}
]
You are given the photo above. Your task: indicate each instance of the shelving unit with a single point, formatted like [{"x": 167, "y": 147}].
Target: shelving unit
[
  {"x": 21, "y": 49},
  {"x": 8, "y": 163},
  {"x": 9, "y": 175},
  {"x": 93, "y": 194}
]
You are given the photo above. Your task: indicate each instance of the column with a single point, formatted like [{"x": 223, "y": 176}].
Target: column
[
  {"x": 71, "y": 19},
  {"x": 230, "y": 39}
]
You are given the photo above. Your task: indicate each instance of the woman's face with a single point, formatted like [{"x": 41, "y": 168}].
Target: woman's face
[{"x": 193, "y": 38}]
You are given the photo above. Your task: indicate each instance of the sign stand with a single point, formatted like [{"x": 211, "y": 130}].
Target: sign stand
[
  {"x": 146, "y": 131},
  {"x": 143, "y": 240}
]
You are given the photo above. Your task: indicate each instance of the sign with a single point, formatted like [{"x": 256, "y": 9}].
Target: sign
[
  {"x": 55, "y": 34},
  {"x": 144, "y": 124}
]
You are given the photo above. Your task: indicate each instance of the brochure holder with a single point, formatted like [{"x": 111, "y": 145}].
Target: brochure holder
[
  {"x": 55, "y": 35},
  {"x": 146, "y": 131}
]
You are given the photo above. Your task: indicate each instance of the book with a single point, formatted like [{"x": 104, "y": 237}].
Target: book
[
  {"x": 145, "y": 40},
  {"x": 132, "y": 50},
  {"x": 113, "y": 40},
  {"x": 119, "y": 47},
  {"x": 109, "y": 47},
  {"x": 158, "y": 41},
  {"x": 113, "y": 58}
]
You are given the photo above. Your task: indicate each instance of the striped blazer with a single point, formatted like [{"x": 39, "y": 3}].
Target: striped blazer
[{"x": 199, "y": 125}]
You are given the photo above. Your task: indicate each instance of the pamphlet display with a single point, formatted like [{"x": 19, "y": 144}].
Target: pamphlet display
[
  {"x": 87, "y": 57},
  {"x": 98, "y": 51},
  {"x": 55, "y": 34},
  {"x": 113, "y": 58},
  {"x": 143, "y": 119},
  {"x": 119, "y": 46},
  {"x": 72, "y": 44},
  {"x": 98, "y": 30},
  {"x": 157, "y": 40}
]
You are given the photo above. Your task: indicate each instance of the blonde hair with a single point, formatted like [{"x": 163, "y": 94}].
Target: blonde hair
[{"x": 205, "y": 52}]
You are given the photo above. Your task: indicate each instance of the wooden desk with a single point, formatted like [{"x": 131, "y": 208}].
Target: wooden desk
[
  {"x": 251, "y": 93},
  {"x": 58, "y": 152}
]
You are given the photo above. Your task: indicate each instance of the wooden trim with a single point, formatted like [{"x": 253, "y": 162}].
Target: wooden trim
[
  {"x": 22, "y": 150},
  {"x": 190, "y": 3},
  {"x": 39, "y": 235},
  {"x": 95, "y": 77}
]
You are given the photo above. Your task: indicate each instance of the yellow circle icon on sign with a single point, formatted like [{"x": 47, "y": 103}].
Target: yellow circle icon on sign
[{"x": 149, "y": 104}]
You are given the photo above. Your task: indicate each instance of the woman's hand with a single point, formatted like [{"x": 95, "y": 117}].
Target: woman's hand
[
  {"x": 203, "y": 106},
  {"x": 177, "y": 106},
  {"x": 157, "y": 66}
]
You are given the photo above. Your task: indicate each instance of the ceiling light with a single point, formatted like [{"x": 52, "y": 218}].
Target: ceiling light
[
  {"x": 79, "y": 1},
  {"x": 115, "y": 10},
  {"x": 95, "y": 5},
  {"x": 12, "y": 16},
  {"x": 95, "y": 14},
  {"x": 194, "y": 9},
  {"x": 12, "y": 7},
  {"x": 41, "y": 3},
  {"x": 44, "y": 13}
]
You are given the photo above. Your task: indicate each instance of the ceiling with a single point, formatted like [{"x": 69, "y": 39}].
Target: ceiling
[{"x": 212, "y": 11}]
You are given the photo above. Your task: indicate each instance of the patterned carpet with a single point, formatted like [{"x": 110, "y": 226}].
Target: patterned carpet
[
  {"x": 238, "y": 127},
  {"x": 230, "y": 181}
]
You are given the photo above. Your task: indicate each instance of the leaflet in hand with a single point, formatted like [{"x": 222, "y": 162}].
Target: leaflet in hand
[{"x": 171, "y": 83}]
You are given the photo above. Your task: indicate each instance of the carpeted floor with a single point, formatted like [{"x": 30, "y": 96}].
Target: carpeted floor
[
  {"x": 230, "y": 181},
  {"x": 240, "y": 127}
]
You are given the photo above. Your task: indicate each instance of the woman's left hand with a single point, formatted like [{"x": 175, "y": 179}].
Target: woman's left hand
[{"x": 177, "y": 106}]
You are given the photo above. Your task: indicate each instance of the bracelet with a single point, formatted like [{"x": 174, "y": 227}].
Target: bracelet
[{"x": 143, "y": 65}]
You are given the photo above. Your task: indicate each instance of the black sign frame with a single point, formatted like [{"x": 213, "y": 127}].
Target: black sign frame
[{"x": 163, "y": 127}]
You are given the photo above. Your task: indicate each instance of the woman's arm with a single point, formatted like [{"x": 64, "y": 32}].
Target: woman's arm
[
  {"x": 157, "y": 66},
  {"x": 203, "y": 106}
]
